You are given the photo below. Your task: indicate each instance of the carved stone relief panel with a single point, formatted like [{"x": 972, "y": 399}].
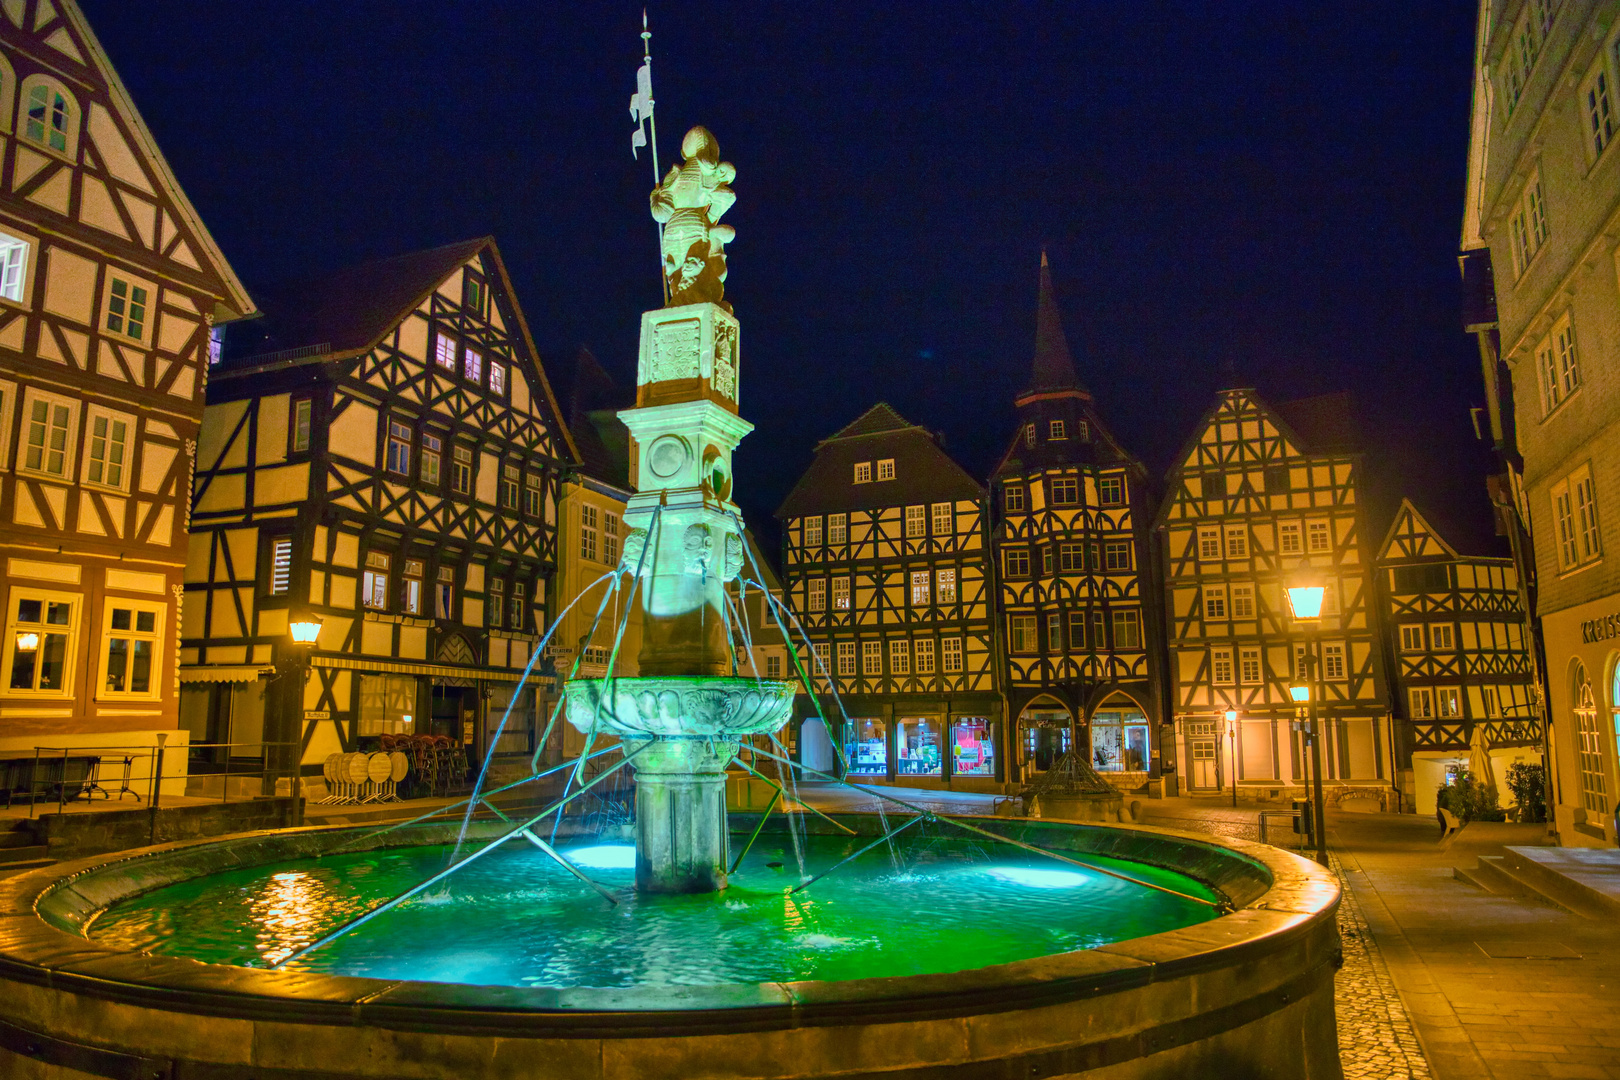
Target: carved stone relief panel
[
  {"x": 675, "y": 350},
  {"x": 725, "y": 359}
]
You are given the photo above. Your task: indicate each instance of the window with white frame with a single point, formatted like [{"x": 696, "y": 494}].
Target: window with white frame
[
  {"x": 411, "y": 595},
  {"x": 1220, "y": 666},
  {"x": 534, "y": 498},
  {"x": 950, "y": 655},
  {"x": 445, "y": 593},
  {"x": 1411, "y": 638},
  {"x": 924, "y": 648},
  {"x": 916, "y": 522},
  {"x": 280, "y": 566},
  {"x": 812, "y": 531},
  {"x": 1527, "y": 228},
  {"x": 1209, "y": 543},
  {"x": 1288, "y": 538},
  {"x": 610, "y": 537},
  {"x": 846, "y": 658},
  {"x": 919, "y": 588},
  {"x": 945, "y": 584},
  {"x": 1442, "y": 637},
  {"x": 106, "y": 451},
  {"x": 840, "y": 593},
  {"x": 1599, "y": 115},
  {"x": 773, "y": 666},
  {"x": 1558, "y": 364},
  {"x": 899, "y": 656},
  {"x": 1249, "y": 665},
  {"x": 1448, "y": 702},
  {"x": 461, "y": 470},
  {"x": 520, "y": 606},
  {"x": 589, "y": 523},
  {"x": 444, "y": 350},
  {"x": 871, "y": 658},
  {"x": 1333, "y": 661},
  {"x": 817, "y": 588},
  {"x": 48, "y": 434},
  {"x": 1594, "y": 787},
  {"x": 497, "y": 378},
  {"x": 13, "y": 267},
  {"x": 496, "y": 607},
  {"x": 41, "y": 639},
  {"x": 128, "y": 304},
  {"x": 1318, "y": 537},
  {"x": 1057, "y": 431},
  {"x": 399, "y": 448},
  {"x": 1574, "y": 500},
  {"x": 374, "y": 582},
  {"x": 472, "y": 365},
  {"x": 1237, "y": 542},
  {"x": 1420, "y": 703},
  {"x": 885, "y": 469},
  {"x": 1242, "y": 600},
  {"x": 1029, "y": 436},
  {"x": 837, "y": 529},
  {"x": 1214, "y": 601},
  {"x": 942, "y": 519},
  {"x": 1021, "y": 635},
  {"x": 132, "y": 637},
  {"x": 51, "y": 116},
  {"x": 432, "y": 459},
  {"x": 863, "y": 472}
]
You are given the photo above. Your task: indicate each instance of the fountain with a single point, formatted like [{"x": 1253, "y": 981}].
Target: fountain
[{"x": 833, "y": 945}]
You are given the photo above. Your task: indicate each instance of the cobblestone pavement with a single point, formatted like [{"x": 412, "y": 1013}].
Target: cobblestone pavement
[{"x": 1376, "y": 1039}]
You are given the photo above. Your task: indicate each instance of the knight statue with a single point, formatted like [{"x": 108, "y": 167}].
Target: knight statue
[{"x": 689, "y": 204}]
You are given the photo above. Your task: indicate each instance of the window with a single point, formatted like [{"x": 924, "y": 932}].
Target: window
[
  {"x": 1117, "y": 555},
  {"x": 1575, "y": 513},
  {"x": 950, "y": 661},
  {"x": 1237, "y": 542},
  {"x": 1243, "y": 601},
  {"x": 497, "y": 378},
  {"x": 444, "y": 350},
  {"x": 899, "y": 656},
  {"x": 863, "y": 472},
  {"x": 919, "y": 588},
  {"x": 1420, "y": 703},
  {"x": 1127, "y": 629},
  {"x": 496, "y": 608},
  {"x": 1077, "y": 629},
  {"x": 945, "y": 583},
  {"x": 1054, "y": 632},
  {"x": 1599, "y": 118},
  {"x": 399, "y": 448},
  {"x": 1065, "y": 490},
  {"x": 532, "y": 499},
  {"x": 916, "y": 522},
  {"x": 1220, "y": 666},
  {"x": 1013, "y": 497},
  {"x": 1056, "y": 431},
  {"x": 925, "y": 656},
  {"x": 1097, "y": 625},
  {"x": 1491, "y": 700},
  {"x": 942, "y": 519},
  {"x": 1111, "y": 490},
  {"x": 1558, "y": 365},
  {"x": 1288, "y": 538},
  {"x": 1046, "y": 559},
  {"x": 812, "y": 531},
  {"x": 610, "y": 537},
  {"x": 1279, "y": 479},
  {"x": 1586, "y": 520},
  {"x": 432, "y": 453},
  {"x": 520, "y": 606},
  {"x": 1214, "y": 601},
  {"x": 1448, "y": 702},
  {"x": 1442, "y": 637},
  {"x": 13, "y": 267},
  {"x": 49, "y": 434},
  {"x": 127, "y": 308},
  {"x": 461, "y": 470},
  {"x": 1333, "y": 661},
  {"x": 871, "y": 658},
  {"x": 837, "y": 528},
  {"x": 1084, "y": 430},
  {"x": 39, "y": 645},
  {"x": 445, "y": 598},
  {"x": 131, "y": 640},
  {"x": 1527, "y": 229},
  {"x": 303, "y": 414},
  {"x": 1564, "y": 511},
  {"x": 1209, "y": 544},
  {"x": 588, "y": 524},
  {"x": 1411, "y": 638},
  {"x": 472, "y": 295},
  {"x": 1317, "y": 537},
  {"x": 280, "y": 566},
  {"x": 1249, "y": 665},
  {"x": 1029, "y": 436},
  {"x": 846, "y": 658},
  {"x": 1594, "y": 793},
  {"x": 773, "y": 667},
  {"x": 885, "y": 469},
  {"x": 411, "y": 597},
  {"x": 840, "y": 593},
  {"x": 108, "y": 450},
  {"x": 511, "y": 477},
  {"x": 374, "y": 583},
  {"x": 472, "y": 366},
  {"x": 51, "y": 120},
  {"x": 1017, "y": 562},
  {"x": 818, "y": 594},
  {"x": 1071, "y": 557},
  {"x": 1021, "y": 635}
]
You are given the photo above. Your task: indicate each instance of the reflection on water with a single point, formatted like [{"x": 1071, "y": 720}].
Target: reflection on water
[{"x": 516, "y": 918}]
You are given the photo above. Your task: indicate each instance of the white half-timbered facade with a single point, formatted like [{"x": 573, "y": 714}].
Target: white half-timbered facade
[
  {"x": 1262, "y": 498},
  {"x": 885, "y": 563},
  {"x": 109, "y": 287},
  {"x": 1078, "y": 609},
  {"x": 385, "y": 454},
  {"x": 1456, "y": 640}
]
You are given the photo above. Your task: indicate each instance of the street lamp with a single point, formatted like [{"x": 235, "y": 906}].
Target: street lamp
[
  {"x": 304, "y": 628},
  {"x": 1231, "y": 756},
  {"x": 1305, "y": 601}
]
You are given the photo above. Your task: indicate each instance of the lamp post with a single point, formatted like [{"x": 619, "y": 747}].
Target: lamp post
[
  {"x": 1305, "y": 602},
  {"x": 1231, "y": 755},
  {"x": 304, "y": 628}
]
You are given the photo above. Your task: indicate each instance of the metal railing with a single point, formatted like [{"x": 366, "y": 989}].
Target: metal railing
[{"x": 64, "y": 774}]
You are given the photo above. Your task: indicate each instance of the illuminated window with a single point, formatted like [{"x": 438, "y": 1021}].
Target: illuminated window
[
  {"x": 128, "y": 308},
  {"x": 885, "y": 469},
  {"x": 1057, "y": 431},
  {"x": 871, "y": 658},
  {"x": 374, "y": 583},
  {"x": 919, "y": 587},
  {"x": 899, "y": 656},
  {"x": 1013, "y": 497},
  {"x": 106, "y": 453},
  {"x": 303, "y": 415},
  {"x": 1448, "y": 702},
  {"x": 846, "y": 658},
  {"x": 925, "y": 656},
  {"x": 812, "y": 531},
  {"x": 1594, "y": 790},
  {"x": 497, "y": 378},
  {"x": 1420, "y": 703},
  {"x": 432, "y": 454},
  {"x": 818, "y": 594},
  {"x": 461, "y": 470},
  {"x": 945, "y": 581},
  {"x": 916, "y": 522},
  {"x": 280, "y": 566},
  {"x": 131, "y": 640},
  {"x": 837, "y": 528},
  {"x": 472, "y": 366},
  {"x": 13, "y": 267},
  {"x": 412, "y": 596},
  {"x": 942, "y": 519},
  {"x": 863, "y": 472},
  {"x": 950, "y": 661},
  {"x": 589, "y": 522},
  {"x": 445, "y": 593},
  {"x": 48, "y": 434},
  {"x": 840, "y": 593},
  {"x": 444, "y": 350},
  {"x": 399, "y": 448},
  {"x": 40, "y": 642}
]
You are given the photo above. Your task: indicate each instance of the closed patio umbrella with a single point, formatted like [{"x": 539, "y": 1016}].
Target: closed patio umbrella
[{"x": 1479, "y": 758}]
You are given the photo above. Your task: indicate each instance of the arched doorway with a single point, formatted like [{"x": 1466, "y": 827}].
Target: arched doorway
[
  {"x": 1119, "y": 736},
  {"x": 816, "y": 748},
  {"x": 1594, "y": 789},
  {"x": 1045, "y": 733}
]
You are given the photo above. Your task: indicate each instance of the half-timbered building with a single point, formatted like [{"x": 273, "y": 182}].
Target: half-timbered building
[
  {"x": 1072, "y": 529},
  {"x": 109, "y": 287},
  {"x": 1261, "y": 498},
  {"x": 382, "y": 452},
  {"x": 1456, "y": 643},
  {"x": 885, "y": 563}
]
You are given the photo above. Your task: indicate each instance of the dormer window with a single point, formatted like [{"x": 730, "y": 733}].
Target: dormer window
[
  {"x": 1057, "y": 431},
  {"x": 53, "y": 117}
]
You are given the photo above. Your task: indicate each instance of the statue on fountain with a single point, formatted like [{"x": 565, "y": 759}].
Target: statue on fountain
[{"x": 689, "y": 205}]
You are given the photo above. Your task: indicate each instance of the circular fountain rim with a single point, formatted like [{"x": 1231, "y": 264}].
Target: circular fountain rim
[{"x": 1297, "y": 895}]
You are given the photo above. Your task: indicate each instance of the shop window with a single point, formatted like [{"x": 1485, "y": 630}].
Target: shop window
[
  {"x": 1044, "y": 737},
  {"x": 40, "y": 642},
  {"x": 837, "y": 528},
  {"x": 973, "y": 751},
  {"x": 387, "y": 705},
  {"x": 868, "y": 748},
  {"x": 131, "y": 642},
  {"x": 916, "y": 744},
  {"x": 1594, "y": 789},
  {"x": 374, "y": 583},
  {"x": 1119, "y": 741}
]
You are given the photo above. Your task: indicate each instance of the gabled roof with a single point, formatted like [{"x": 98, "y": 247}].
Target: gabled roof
[
  {"x": 1054, "y": 366},
  {"x": 1410, "y": 525},
  {"x": 1324, "y": 424},
  {"x": 602, "y": 438},
  {"x": 923, "y": 471}
]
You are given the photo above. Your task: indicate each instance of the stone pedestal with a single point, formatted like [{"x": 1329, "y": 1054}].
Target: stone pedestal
[{"x": 682, "y": 845}]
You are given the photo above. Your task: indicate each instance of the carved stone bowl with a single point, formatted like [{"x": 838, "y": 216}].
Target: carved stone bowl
[{"x": 672, "y": 706}]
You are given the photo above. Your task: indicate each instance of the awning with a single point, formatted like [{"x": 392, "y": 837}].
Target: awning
[
  {"x": 196, "y": 673},
  {"x": 441, "y": 671}
]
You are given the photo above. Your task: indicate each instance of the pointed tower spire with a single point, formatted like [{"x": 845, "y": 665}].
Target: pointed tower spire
[{"x": 1054, "y": 367}]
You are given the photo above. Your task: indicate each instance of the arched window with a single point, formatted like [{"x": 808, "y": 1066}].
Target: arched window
[
  {"x": 50, "y": 116},
  {"x": 1594, "y": 791}
]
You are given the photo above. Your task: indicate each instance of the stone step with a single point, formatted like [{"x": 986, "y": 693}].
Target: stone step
[
  {"x": 1491, "y": 876},
  {"x": 16, "y": 838},
  {"x": 1573, "y": 879},
  {"x": 10, "y": 855}
]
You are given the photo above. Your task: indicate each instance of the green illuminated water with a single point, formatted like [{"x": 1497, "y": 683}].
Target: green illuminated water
[{"x": 516, "y": 919}]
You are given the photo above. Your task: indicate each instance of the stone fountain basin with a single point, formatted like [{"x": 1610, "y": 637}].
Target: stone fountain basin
[
  {"x": 668, "y": 707},
  {"x": 1248, "y": 994}
]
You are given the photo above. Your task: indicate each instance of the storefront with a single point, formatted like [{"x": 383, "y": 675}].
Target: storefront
[
  {"x": 921, "y": 743},
  {"x": 867, "y": 748},
  {"x": 1583, "y": 676},
  {"x": 1044, "y": 735},
  {"x": 1119, "y": 738}
]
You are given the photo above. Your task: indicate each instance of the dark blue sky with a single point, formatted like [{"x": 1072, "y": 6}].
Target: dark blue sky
[{"x": 1257, "y": 194}]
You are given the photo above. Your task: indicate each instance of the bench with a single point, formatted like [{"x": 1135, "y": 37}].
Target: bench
[{"x": 1448, "y": 824}]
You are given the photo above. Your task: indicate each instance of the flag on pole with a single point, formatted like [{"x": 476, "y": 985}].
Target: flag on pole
[{"x": 641, "y": 108}]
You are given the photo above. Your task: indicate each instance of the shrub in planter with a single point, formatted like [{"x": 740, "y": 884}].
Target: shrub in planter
[{"x": 1528, "y": 784}]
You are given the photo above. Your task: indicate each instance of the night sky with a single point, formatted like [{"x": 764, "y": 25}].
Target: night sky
[{"x": 1251, "y": 194}]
